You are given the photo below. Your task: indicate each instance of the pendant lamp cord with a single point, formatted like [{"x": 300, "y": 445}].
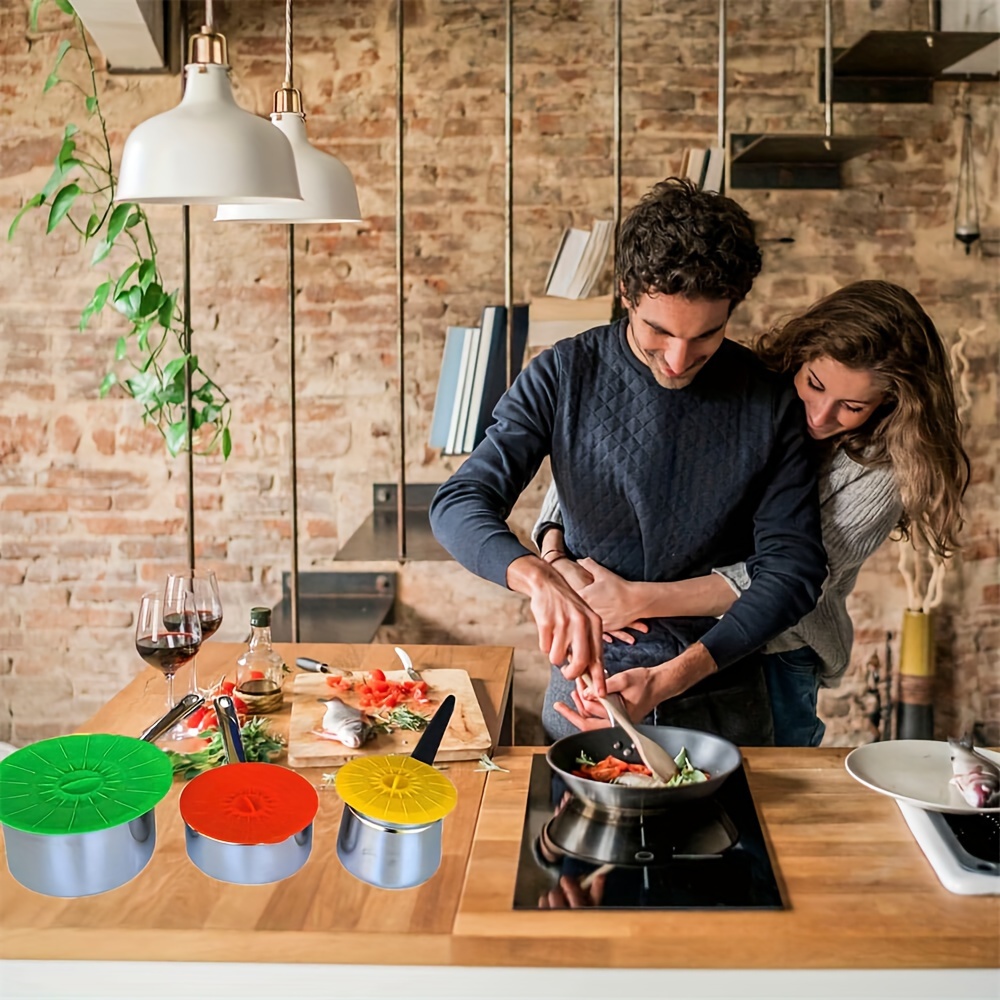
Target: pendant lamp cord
[
  {"x": 209, "y": 15},
  {"x": 288, "y": 43}
]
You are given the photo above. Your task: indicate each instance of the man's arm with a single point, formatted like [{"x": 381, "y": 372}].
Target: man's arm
[
  {"x": 469, "y": 518},
  {"x": 789, "y": 563}
]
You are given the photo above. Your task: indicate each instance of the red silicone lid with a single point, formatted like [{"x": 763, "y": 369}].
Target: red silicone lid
[{"x": 249, "y": 803}]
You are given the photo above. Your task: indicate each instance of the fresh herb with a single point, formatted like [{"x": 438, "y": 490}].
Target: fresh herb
[
  {"x": 400, "y": 717},
  {"x": 487, "y": 764},
  {"x": 258, "y": 745},
  {"x": 584, "y": 760}
]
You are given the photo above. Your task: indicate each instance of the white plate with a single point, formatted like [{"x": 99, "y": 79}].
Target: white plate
[{"x": 913, "y": 771}]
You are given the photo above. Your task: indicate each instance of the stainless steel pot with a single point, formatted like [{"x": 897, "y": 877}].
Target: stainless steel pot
[
  {"x": 706, "y": 751},
  {"x": 395, "y": 855},
  {"x": 247, "y": 863},
  {"x": 84, "y": 864}
]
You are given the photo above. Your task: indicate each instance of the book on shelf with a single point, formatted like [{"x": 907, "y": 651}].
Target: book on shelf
[
  {"x": 554, "y": 319},
  {"x": 579, "y": 261},
  {"x": 447, "y": 387},
  {"x": 704, "y": 167},
  {"x": 495, "y": 374},
  {"x": 474, "y": 377},
  {"x": 460, "y": 406}
]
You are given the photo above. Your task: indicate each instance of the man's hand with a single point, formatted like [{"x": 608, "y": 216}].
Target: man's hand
[
  {"x": 569, "y": 632},
  {"x": 642, "y": 688}
]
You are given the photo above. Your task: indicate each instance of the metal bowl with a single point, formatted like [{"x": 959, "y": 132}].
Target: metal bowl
[{"x": 710, "y": 753}]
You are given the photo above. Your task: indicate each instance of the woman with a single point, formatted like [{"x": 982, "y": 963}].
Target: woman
[{"x": 874, "y": 379}]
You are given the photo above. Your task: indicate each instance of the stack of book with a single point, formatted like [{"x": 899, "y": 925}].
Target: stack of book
[
  {"x": 705, "y": 167},
  {"x": 579, "y": 261},
  {"x": 474, "y": 377}
]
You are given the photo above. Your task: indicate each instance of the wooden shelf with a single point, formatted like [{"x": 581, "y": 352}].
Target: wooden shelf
[
  {"x": 899, "y": 67},
  {"x": 551, "y": 319},
  {"x": 794, "y": 160}
]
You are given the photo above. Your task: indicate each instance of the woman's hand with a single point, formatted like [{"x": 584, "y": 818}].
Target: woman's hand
[
  {"x": 637, "y": 687},
  {"x": 612, "y": 597}
]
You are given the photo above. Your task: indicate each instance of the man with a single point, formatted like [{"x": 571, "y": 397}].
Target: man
[{"x": 674, "y": 451}]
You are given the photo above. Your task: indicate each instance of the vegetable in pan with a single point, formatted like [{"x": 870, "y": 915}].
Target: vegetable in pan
[{"x": 613, "y": 770}]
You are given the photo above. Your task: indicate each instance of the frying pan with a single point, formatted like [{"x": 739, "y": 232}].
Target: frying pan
[
  {"x": 707, "y": 752},
  {"x": 247, "y": 823},
  {"x": 78, "y": 811}
]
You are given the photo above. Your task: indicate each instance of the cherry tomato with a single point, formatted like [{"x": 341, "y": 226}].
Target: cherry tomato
[{"x": 378, "y": 675}]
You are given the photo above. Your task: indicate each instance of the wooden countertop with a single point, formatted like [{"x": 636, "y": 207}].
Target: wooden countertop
[
  {"x": 859, "y": 893},
  {"x": 172, "y": 911}
]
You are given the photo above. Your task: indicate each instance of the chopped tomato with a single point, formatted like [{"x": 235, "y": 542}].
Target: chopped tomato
[
  {"x": 256, "y": 674},
  {"x": 378, "y": 675}
]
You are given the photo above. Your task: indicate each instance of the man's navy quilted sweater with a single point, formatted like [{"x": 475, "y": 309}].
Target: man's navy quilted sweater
[{"x": 656, "y": 484}]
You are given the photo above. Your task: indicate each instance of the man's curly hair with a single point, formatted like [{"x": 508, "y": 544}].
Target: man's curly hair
[{"x": 682, "y": 241}]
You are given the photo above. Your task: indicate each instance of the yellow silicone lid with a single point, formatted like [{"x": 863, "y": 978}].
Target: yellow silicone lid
[{"x": 396, "y": 789}]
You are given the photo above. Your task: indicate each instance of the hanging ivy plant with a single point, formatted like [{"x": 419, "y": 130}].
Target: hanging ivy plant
[{"x": 150, "y": 356}]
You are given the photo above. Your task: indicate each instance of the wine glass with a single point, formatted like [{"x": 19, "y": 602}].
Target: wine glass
[
  {"x": 205, "y": 588},
  {"x": 167, "y": 634}
]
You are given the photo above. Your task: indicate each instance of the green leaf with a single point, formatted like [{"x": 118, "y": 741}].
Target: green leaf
[
  {"x": 33, "y": 202},
  {"x": 50, "y": 81},
  {"x": 107, "y": 382},
  {"x": 174, "y": 368},
  {"x": 143, "y": 329},
  {"x": 166, "y": 314},
  {"x": 227, "y": 443},
  {"x": 33, "y": 14},
  {"x": 96, "y": 303},
  {"x": 204, "y": 393},
  {"x": 66, "y": 151},
  {"x": 69, "y": 130},
  {"x": 121, "y": 349},
  {"x": 53, "y": 182},
  {"x": 66, "y": 7},
  {"x": 134, "y": 219},
  {"x": 151, "y": 299},
  {"x": 64, "y": 46},
  {"x": 91, "y": 103},
  {"x": 147, "y": 271},
  {"x": 101, "y": 251},
  {"x": 93, "y": 224},
  {"x": 143, "y": 386},
  {"x": 123, "y": 277},
  {"x": 176, "y": 435},
  {"x": 209, "y": 413},
  {"x": 171, "y": 395},
  {"x": 61, "y": 204},
  {"x": 117, "y": 221}
]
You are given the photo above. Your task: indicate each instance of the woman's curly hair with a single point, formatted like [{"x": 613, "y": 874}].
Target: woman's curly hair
[
  {"x": 880, "y": 327},
  {"x": 682, "y": 241}
]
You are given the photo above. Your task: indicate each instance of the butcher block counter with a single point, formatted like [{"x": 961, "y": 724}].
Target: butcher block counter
[{"x": 858, "y": 893}]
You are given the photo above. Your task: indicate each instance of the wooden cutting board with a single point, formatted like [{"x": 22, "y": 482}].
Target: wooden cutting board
[{"x": 467, "y": 737}]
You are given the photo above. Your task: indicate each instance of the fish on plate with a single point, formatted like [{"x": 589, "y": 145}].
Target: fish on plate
[
  {"x": 341, "y": 723},
  {"x": 976, "y": 777}
]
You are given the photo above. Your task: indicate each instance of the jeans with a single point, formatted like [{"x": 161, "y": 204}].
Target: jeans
[{"x": 793, "y": 684}]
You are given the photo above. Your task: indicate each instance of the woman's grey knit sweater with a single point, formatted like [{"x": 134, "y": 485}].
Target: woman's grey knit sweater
[{"x": 859, "y": 507}]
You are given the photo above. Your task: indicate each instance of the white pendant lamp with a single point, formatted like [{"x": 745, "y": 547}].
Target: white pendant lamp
[
  {"x": 328, "y": 191},
  {"x": 207, "y": 150}
]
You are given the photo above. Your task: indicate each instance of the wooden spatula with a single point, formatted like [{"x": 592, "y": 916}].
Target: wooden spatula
[{"x": 653, "y": 755}]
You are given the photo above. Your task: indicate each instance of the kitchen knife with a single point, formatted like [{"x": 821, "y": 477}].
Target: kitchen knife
[{"x": 314, "y": 666}]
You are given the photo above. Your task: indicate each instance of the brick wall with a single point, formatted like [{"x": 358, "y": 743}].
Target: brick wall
[{"x": 92, "y": 509}]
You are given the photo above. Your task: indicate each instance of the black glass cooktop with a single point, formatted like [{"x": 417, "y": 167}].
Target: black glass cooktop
[{"x": 705, "y": 854}]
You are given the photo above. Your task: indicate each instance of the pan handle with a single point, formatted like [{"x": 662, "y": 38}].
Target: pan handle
[
  {"x": 229, "y": 727},
  {"x": 181, "y": 710},
  {"x": 430, "y": 739}
]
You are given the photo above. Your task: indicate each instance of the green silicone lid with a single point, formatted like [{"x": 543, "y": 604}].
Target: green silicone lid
[{"x": 80, "y": 784}]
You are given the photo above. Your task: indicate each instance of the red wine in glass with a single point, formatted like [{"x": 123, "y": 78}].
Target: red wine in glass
[
  {"x": 210, "y": 622},
  {"x": 167, "y": 634},
  {"x": 168, "y": 652},
  {"x": 204, "y": 586}
]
